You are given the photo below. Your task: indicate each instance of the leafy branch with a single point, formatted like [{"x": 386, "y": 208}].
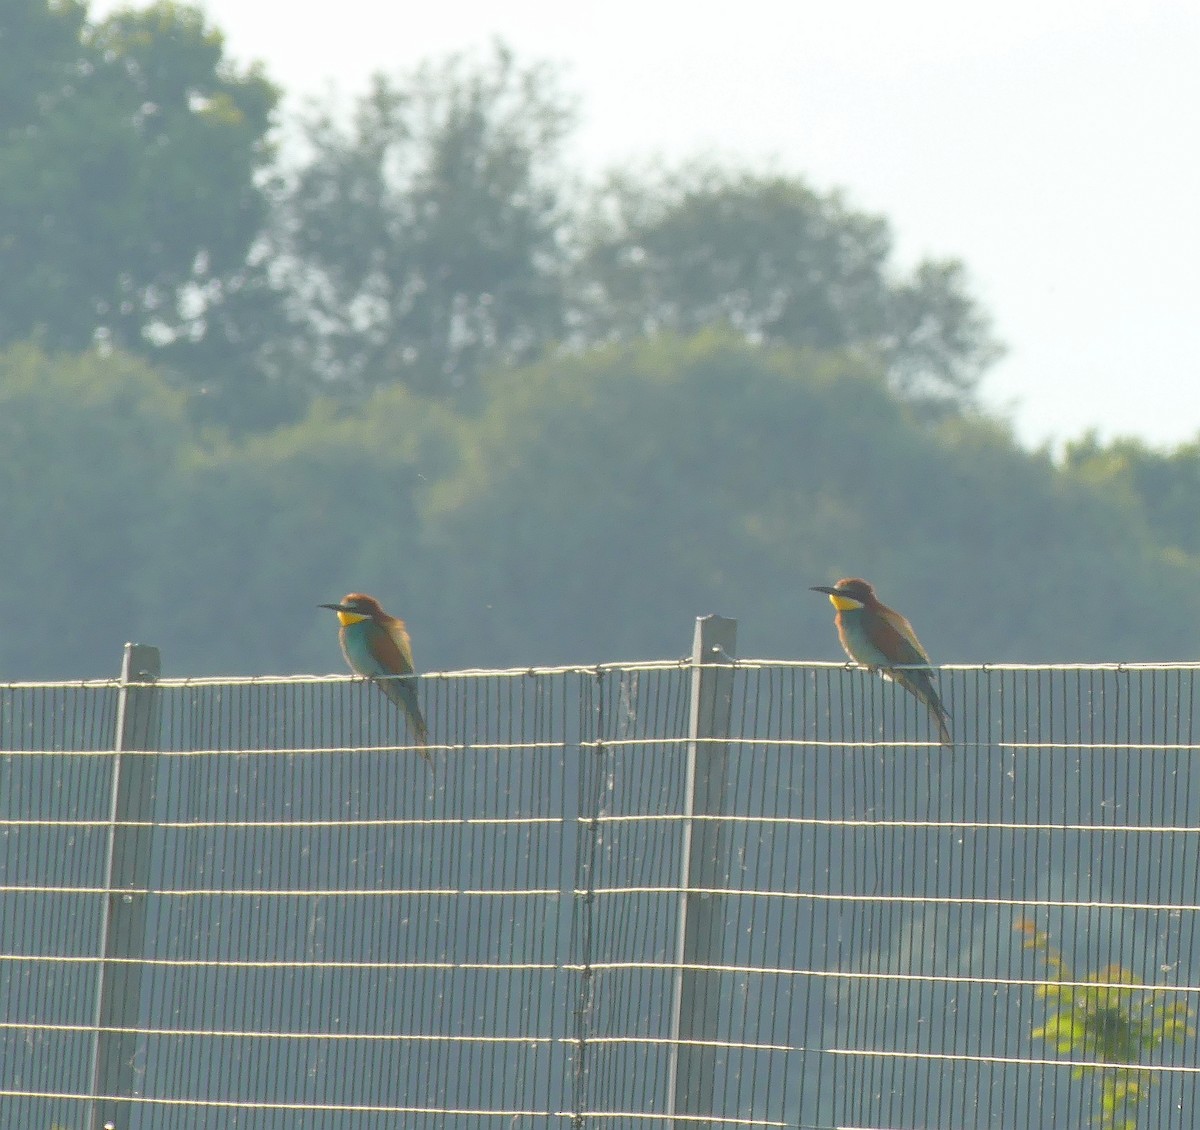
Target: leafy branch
[{"x": 1108, "y": 1017}]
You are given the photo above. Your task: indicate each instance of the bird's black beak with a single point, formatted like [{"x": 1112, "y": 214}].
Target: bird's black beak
[
  {"x": 823, "y": 588},
  {"x": 334, "y": 607}
]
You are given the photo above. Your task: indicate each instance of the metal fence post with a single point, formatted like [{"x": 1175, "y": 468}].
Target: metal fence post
[
  {"x": 127, "y": 873},
  {"x": 697, "y": 999}
]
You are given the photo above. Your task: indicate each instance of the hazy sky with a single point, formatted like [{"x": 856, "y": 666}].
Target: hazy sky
[{"x": 1053, "y": 146}]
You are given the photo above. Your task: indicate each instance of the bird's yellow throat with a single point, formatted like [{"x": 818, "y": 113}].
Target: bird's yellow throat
[
  {"x": 348, "y": 618},
  {"x": 841, "y": 603}
]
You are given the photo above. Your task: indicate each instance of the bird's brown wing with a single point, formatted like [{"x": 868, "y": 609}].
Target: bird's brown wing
[
  {"x": 393, "y": 649},
  {"x": 902, "y": 641},
  {"x": 897, "y": 639}
]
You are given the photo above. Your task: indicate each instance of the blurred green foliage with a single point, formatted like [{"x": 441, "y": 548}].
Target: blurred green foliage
[
  {"x": 1162, "y": 485},
  {"x": 588, "y": 510}
]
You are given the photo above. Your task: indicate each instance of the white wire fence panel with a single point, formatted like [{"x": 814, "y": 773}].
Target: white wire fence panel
[
  {"x": 53, "y": 837},
  {"x": 338, "y": 935}
]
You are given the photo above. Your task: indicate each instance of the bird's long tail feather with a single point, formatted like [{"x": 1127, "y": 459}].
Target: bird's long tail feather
[
  {"x": 402, "y": 692},
  {"x": 920, "y": 683}
]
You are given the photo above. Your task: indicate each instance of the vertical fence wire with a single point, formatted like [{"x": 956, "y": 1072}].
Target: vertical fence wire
[{"x": 340, "y": 934}]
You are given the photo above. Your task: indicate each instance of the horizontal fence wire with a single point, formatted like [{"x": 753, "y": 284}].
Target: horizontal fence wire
[{"x": 338, "y": 933}]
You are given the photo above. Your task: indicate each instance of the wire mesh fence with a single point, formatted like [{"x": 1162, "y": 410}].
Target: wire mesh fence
[{"x": 601, "y": 908}]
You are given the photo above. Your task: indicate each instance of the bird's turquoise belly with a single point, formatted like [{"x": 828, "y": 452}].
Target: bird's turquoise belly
[{"x": 358, "y": 651}]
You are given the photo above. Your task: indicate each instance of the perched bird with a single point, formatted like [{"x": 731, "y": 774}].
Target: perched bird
[
  {"x": 377, "y": 645},
  {"x": 882, "y": 640}
]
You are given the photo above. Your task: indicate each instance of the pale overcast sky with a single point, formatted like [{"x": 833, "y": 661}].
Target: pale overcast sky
[{"x": 1053, "y": 146}]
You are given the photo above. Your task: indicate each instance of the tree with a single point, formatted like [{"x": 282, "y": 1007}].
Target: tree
[
  {"x": 593, "y": 506},
  {"x": 39, "y": 41},
  {"x": 131, "y": 154},
  {"x": 86, "y": 443},
  {"x": 777, "y": 263},
  {"x": 262, "y": 529},
  {"x": 423, "y": 236},
  {"x": 1161, "y": 485},
  {"x": 604, "y": 500}
]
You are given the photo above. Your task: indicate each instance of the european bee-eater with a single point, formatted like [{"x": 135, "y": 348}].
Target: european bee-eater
[
  {"x": 377, "y": 645},
  {"x": 882, "y": 640}
]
